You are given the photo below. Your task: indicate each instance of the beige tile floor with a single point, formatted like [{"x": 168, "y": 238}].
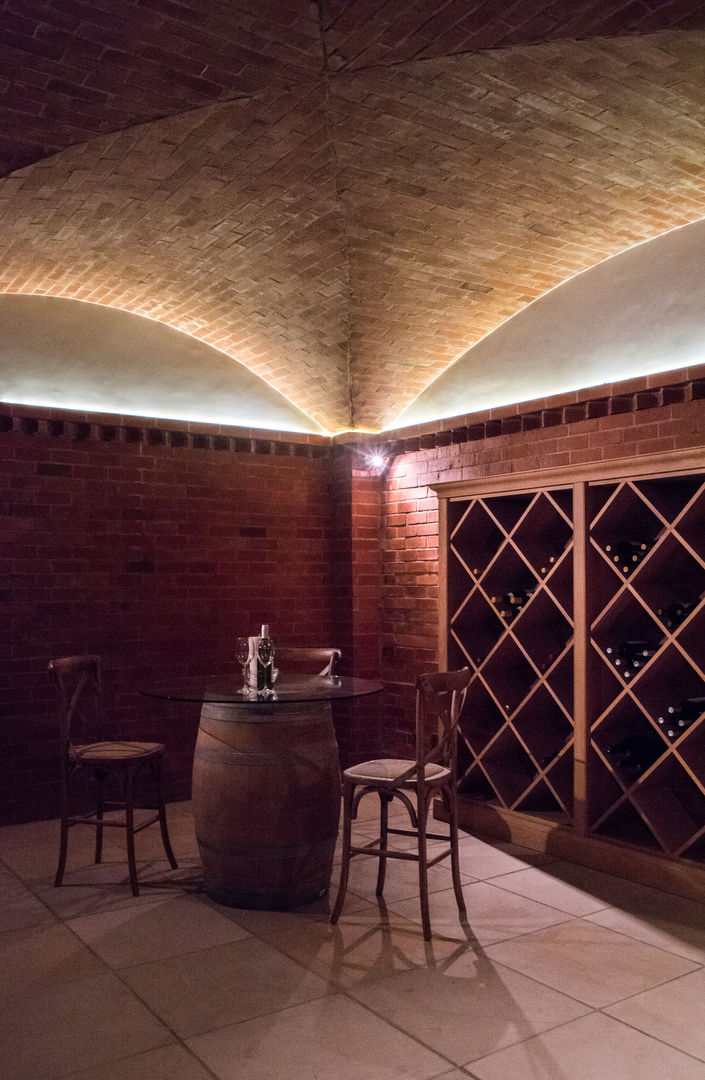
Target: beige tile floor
[{"x": 560, "y": 973}]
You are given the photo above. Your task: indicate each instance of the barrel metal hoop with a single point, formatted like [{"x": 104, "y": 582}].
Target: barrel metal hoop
[
  {"x": 271, "y": 850},
  {"x": 282, "y": 715},
  {"x": 274, "y": 759}
]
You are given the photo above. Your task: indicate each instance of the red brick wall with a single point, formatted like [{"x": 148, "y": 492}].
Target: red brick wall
[
  {"x": 646, "y": 416},
  {"x": 155, "y": 556},
  {"x": 357, "y": 585},
  {"x": 120, "y": 541}
]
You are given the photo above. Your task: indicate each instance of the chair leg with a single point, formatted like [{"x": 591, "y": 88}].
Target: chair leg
[
  {"x": 99, "y": 818},
  {"x": 454, "y": 852},
  {"x": 64, "y": 836},
  {"x": 348, "y": 795},
  {"x": 63, "y": 847},
  {"x": 384, "y": 801},
  {"x": 130, "y": 831},
  {"x": 422, "y": 801},
  {"x": 157, "y": 769}
]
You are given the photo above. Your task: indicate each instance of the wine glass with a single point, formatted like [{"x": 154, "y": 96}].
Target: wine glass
[{"x": 243, "y": 657}]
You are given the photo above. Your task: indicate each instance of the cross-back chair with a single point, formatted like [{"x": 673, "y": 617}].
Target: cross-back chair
[
  {"x": 299, "y": 661},
  {"x": 84, "y": 747},
  {"x": 439, "y": 701}
]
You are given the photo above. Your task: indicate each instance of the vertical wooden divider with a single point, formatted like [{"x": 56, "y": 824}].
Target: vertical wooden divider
[
  {"x": 443, "y": 614},
  {"x": 581, "y": 654}
]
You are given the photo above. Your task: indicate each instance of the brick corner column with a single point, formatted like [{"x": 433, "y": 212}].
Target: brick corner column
[{"x": 356, "y": 589}]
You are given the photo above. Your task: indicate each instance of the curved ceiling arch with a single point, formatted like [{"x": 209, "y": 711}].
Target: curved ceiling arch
[
  {"x": 83, "y": 356},
  {"x": 193, "y": 222},
  {"x": 635, "y": 314},
  {"x": 347, "y": 234}
]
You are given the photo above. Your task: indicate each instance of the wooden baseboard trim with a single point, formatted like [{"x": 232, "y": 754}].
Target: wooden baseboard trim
[{"x": 679, "y": 877}]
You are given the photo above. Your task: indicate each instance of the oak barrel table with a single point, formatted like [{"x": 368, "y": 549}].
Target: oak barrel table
[{"x": 266, "y": 787}]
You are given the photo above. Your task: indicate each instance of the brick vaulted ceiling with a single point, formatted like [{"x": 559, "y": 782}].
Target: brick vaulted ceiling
[{"x": 342, "y": 196}]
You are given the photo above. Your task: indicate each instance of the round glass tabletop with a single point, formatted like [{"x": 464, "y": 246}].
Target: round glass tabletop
[{"x": 219, "y": 690}]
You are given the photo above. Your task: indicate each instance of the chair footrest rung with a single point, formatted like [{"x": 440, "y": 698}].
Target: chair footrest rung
[
  {"x": 413, "y": 832},
  {"x": 96, "y": 821},
  {"x": 437, "y": 858},
  {"x": 390, "y": 853}
]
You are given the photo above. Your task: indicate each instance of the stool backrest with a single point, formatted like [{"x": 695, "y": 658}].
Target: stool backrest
[
  {"x": 306, "y": 661},
  {"x": 439, "y": 702},
  {"x": 79, "y": 683}
]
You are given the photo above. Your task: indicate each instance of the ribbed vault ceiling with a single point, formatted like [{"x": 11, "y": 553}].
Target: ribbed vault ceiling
[{"x": 342, "y": 196}]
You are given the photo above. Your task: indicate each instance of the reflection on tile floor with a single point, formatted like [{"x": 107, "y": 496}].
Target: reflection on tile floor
[{"x": 560, "y": 973}]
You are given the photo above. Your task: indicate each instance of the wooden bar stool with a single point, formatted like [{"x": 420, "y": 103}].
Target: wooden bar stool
[
  {"x": 79, "y": 683},
  {"x": 439, "y": 701}
]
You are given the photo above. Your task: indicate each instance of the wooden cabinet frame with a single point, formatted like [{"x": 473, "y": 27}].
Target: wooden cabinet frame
[{"x": 676, "y": 863}]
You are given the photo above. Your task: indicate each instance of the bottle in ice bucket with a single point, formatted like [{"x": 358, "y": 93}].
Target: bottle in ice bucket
[{"x": 265, "y": 662}]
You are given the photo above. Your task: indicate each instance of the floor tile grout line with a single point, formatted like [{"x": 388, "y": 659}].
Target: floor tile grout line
[
  {"x": 35, "y": 895},
  {"x": 593, "y": 1008},
  {"x": 547, "y": 903},
  {"x": 648, "y": 1034},
  {"x": 160, "y": 1020},
  {"x": 594, "y": 1012},
  {"x": 640, "y": 941},
  {"x": 116, "y": 973},
  {"x": 402, "y": 1031},
  {"x": 130, "y": 1057},
  {"x": 602, "y": 1010}
]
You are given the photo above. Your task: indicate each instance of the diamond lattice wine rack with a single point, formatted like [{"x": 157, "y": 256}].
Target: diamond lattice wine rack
[{"x": 579, "y": 608}]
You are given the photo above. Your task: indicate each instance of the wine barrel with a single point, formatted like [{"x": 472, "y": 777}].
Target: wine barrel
[{"x": 266, "y": 796}]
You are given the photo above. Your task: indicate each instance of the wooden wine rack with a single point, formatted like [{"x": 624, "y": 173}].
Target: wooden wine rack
[{"x": 564, "y": 745}]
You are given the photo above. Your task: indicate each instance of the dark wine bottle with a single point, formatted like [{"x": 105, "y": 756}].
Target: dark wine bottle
[
  {"x": 673, "y": 615},
  {"x": 688, "y": 709},
  {"x": 641, "y": 648},
  {"x": 627, "y": 554},
  {"x": 629, "y": 656},
  {"x": 509, "y": 604},
  {"x": 265, "y": 662},
  {"x": 678, "y": 718},
  {"x": 626, "y": 548},
  {"x": 634, "y": 754}
]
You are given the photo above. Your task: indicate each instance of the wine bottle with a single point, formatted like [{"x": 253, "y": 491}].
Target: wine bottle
[
  {"x": 265, "y": 661},
  {"x": 627, "y": 554},
  {"x": 641, "y": 648},
  {"x": 678, "y": 718},
  {"x": 624, "y": 549},
  {"x": 509, "y": 604},
  {"x": 689, "y": 709},
  {"x": 634, "y": 754},
  {"x": 673, "y": 615},
  {"x": 630, "y": 656}
]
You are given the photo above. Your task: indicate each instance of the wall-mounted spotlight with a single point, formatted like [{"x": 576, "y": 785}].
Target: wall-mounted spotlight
[
  {"x": 372, "y": 460},
  {"x": 376, "y": 461}
]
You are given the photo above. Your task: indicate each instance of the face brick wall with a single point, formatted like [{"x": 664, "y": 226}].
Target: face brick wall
[
  {"x": 642, "y": 417},
  {"x": 154, "y": 556},
  {"x": 155, "y": 547},
  {"x": 357, "y": 584}
]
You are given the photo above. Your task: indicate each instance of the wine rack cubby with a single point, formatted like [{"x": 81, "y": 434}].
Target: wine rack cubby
[{"x": 578, "y": 603}]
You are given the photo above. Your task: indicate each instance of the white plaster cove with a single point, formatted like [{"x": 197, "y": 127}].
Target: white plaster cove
[
  {"x": 68, "y": 354},
  {"x": 638, "y": 313}
]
